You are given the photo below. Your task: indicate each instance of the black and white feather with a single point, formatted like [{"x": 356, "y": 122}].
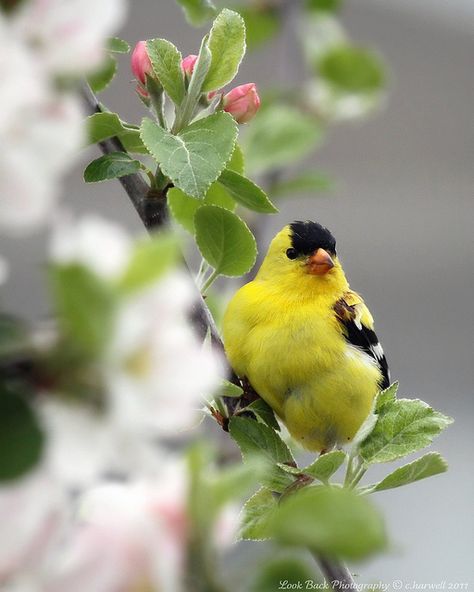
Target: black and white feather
[{"x": 363, "y": 338}]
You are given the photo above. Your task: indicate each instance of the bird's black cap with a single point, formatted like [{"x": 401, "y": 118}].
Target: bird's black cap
[{"x": 307, "y": 237}]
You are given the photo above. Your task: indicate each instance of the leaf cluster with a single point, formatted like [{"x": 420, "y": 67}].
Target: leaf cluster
[
  {"x": 194, "y": 159},
  {"x": 302, "y": 506}
]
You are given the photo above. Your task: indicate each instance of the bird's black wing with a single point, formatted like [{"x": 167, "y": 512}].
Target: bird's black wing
[{"x": 358, "y": 332}]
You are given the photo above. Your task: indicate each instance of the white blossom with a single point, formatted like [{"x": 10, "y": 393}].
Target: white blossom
[
  {"x": 32, "y": 514},
  {"x": 341, "y": 106},
  {"x": 41, "y": 141},
  {"x": 128, "y": 536},
  {"x": 41, "y": 127},
  {"x": 153, "y": 375},
  {"x": 102, "y": 246},
  {"x": 69, "y": 35},
  {"x": 80, "y": 445},
  {"x": 121, "y": 536},
  {"x": 158, "y": 372}
]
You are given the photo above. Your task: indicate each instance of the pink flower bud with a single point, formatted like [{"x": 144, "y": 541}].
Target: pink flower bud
[
  {"x": 242, "y": 102},
  {"x": 188, "y": 64},
  {"x": 140, "y": 62},
  {"x": 142, "y": 91}
]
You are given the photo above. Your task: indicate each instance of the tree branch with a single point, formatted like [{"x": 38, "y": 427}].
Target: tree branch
[
  {"x": 149, "y": 204},
  {"x": 336, "y": 573},
  {"x": 151, "y": 207}
]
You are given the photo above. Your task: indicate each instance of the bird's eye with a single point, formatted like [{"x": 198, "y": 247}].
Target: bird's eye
[{"x": 291, "y": 253}]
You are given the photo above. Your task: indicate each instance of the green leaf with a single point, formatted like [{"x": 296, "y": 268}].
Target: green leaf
[
  {"x": 100, "y": 79},
  {"x": 264, "y": 412},
  {"x": 196, "y": 156},
  {"x": 198, "y": 12},
  {"x": 116, "y": 45},
  {"x": 21, "y": 438},
  {"x": 224, "y": 241},
  {"x": 200, "y": 507},
  {"x": 304, "y": 183},
  {"x": 257, "y": 440},
  {"x": 407, "y": 425},
  {"x": 386, "y": 397},
  {"x": 257, "y": 515},
  {"x": 150, "y": 260},
  {"x": 102, "y": 126},
  {"x": 365, "y": 429},
  {"x": 331, "y": 521},
  {"x": 287, "y": 573},
  {"x": 326, "y": 465},
  {"x": 166, "y": 62},
  {"x": 111, "y": 166},
  {"x": 227, "y": 46},
  {"x": 246, "y": 192},
  {"x": 262, "y": 23},
  {"x": 234, "y": 482},
  {"x": 201, "y": 68},
  {"x": 217, "y": 195},
  {"x": 86, "y": 306},
  {"x": 236, "y": 162},
  {"x": 183, "y": 207},
  {"x": 428, "y": 465},
  {"x": 323, "y": 5},
  {"x": 280, "y": 136},
  {"x": 352, "y": 69},
  {"x": 229, "y": 389}
]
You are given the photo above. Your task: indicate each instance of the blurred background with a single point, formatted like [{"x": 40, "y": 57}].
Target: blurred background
[{"x": 402, "y": 213}]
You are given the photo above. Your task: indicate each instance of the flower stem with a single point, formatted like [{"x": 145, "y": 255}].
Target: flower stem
[{"x": 210, "y": 280}]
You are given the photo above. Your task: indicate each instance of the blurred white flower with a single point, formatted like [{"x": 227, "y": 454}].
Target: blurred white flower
[
  {"x": 158, "y": 372},
  {"x": 155, "y": 372},
  {"x": 32, "y": 515},
  {"x": 41, "y": 141},
  {"x": 41, "y": 127},
  {"x": 100, "y": 245},
  {"x": 122, "y": 537},
  {"x": 321, "y": 32},
  {"x": 80, "y": 445},
  {"x": 68, "y": 36},
  {"x": 335, "y": 105},
  {"x": 227, "y": 526},
  {"x": 130, "y": 536}
]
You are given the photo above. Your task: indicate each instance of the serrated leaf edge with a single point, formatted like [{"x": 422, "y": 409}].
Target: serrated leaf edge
[
  {"x": 241, "y": 515},
  {"x": 244, "y": 49}
]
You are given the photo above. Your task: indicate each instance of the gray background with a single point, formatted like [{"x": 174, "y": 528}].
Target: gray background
[{"x": 402, "y": 213}]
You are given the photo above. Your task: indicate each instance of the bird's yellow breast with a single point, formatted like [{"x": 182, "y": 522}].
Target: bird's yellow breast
[{"x": 293, "y": 353}]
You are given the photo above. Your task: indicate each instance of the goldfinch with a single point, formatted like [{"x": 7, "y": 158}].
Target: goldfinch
[{"x": 305, "y": 341}]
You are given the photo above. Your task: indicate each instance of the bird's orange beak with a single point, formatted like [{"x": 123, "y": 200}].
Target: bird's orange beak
[{"x": 320, "y": 262}]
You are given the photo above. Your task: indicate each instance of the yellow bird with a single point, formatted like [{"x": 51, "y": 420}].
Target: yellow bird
[{"x": 305, "y": 341}]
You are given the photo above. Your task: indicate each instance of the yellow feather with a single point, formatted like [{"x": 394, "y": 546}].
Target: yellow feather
[{"x": 281, "y": 333}]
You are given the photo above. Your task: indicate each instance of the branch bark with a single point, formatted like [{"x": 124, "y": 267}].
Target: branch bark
[
  {"x": 336, "y": 573},
  {"x": 151, "y": 207}
]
